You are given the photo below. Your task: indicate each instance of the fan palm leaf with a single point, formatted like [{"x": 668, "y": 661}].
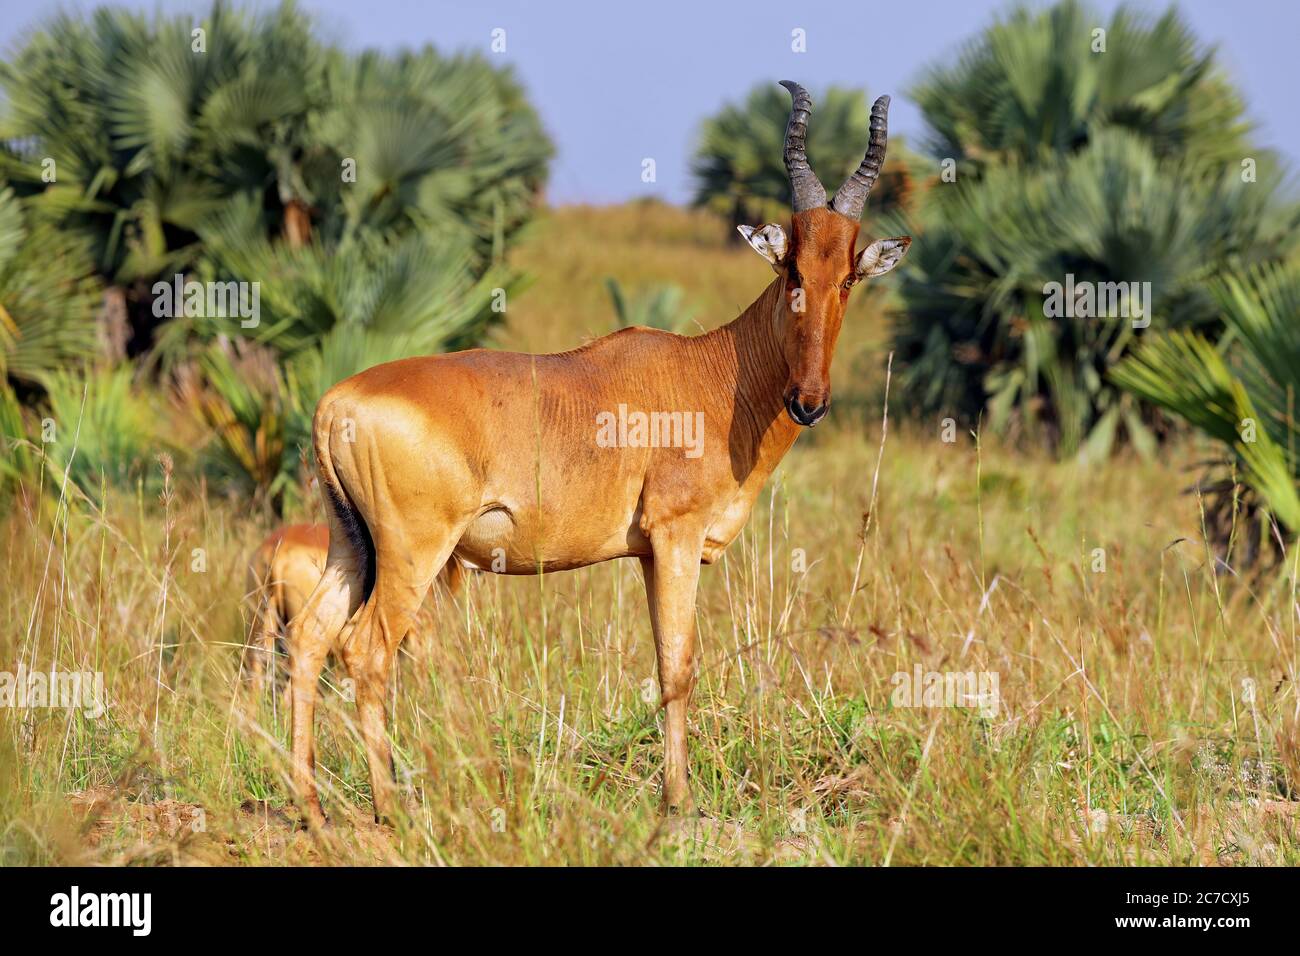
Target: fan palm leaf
[
  {"x": 1242, "y": 393},
  {"x": 1041, "y": 82},
  {"x": 48, "y": 296}
]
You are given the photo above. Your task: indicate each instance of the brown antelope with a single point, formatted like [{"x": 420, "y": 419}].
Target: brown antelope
[
  {"x": 282, "y": 573},
  {"x": 511, "y": 462}
]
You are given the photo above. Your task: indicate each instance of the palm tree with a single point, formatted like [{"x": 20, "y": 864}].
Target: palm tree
[
  {"x": 1081, "y": 165},
  {"x": 739, "y": 167},
  {"x": 48, "y": 296},
  {"x": 446, "y": 145},
  {"x": 1242, "y": 394},
  {"x": 977, "y": 336},
  {"x": 1035, "y": 84},
  {"x": 115, "y": 103},
  {"x": 151, "y": 139},
  {"x": 369, "y": 197}
]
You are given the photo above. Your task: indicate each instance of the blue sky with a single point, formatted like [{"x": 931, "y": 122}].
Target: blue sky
[{"x": 617, "y": 81}]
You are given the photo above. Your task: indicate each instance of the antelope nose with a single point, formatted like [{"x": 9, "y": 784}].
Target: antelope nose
[{"x": 802, "y": 414}]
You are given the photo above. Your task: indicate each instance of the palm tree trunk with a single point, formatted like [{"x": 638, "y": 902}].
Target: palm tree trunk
[{"x": 297, "y": 223}]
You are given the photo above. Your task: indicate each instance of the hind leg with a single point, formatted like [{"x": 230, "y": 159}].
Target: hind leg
[
  {"x": 403, "y": 575},
  {"x": 282, "y": 686},
  {"x": 262, "y": 603},
  {"x": 311, "y": 634},
  {"x": 260, "y": 652}
]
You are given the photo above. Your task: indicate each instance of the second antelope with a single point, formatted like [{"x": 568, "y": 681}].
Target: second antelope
[
  {"x": 505, "y": 461},
  {"x": 282, "y": 573}
]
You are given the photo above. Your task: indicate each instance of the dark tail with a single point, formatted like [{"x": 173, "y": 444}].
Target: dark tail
[{"x": 348, "y": 518}]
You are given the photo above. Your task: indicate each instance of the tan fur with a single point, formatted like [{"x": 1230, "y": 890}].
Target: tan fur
[
  {"x": 486, "y": 454},
  {"x": 282, "y": 573}
]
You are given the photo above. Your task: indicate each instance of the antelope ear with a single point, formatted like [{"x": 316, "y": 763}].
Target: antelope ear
[
  {"x": 768, "y": 241},
  {"x": 881, "y": 256}
]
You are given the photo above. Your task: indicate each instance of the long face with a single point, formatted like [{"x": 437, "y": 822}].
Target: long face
[
  {"x": 818, "y": 275},
  {"x": 818, "y": 262}
]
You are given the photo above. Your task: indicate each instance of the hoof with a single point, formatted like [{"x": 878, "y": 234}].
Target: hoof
[
  {"x": 313, "y": 820},
  {"x": 683, "y": 808}
]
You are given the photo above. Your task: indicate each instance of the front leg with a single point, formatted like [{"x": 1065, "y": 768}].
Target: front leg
[{"x": 671, "y": 576}]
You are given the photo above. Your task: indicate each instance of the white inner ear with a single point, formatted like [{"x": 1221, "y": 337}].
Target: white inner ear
[
  {"x": 768, "y": 241},
  {"x": 881, "y": 256}
]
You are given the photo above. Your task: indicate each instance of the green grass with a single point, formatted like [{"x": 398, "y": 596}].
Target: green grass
[{"x": 522, "y": 728}]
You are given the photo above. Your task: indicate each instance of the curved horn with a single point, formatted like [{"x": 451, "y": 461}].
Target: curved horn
[
  {"x": 852, "y": 196},
  {"x": 808, "y": 190}
]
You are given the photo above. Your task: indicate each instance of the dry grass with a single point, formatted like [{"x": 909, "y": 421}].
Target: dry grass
[{"x": 523, "y": 732}]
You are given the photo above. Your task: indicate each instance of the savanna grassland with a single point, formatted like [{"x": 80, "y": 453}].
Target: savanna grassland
[{"x": 1147, "y": 704}]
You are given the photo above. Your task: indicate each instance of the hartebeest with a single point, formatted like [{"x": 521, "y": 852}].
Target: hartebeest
[
  {"x": 282, "y": 572},
  {"x": 510, "y": 463}
]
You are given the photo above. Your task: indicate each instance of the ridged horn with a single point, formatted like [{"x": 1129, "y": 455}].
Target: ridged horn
[
  {"x": 808, "y": 190},
  {"x": 851, "y": 197}
]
